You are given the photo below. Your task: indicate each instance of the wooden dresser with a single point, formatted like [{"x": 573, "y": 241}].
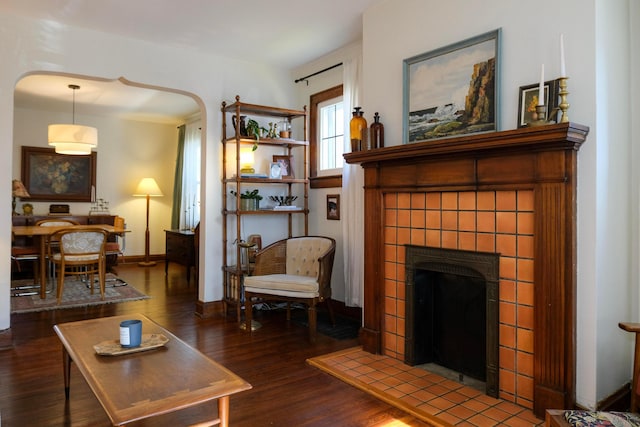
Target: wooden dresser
[{"x": 180, "y": 248}]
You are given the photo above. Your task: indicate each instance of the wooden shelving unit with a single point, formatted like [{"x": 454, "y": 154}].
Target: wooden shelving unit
[{"x": 233, "y": 271}]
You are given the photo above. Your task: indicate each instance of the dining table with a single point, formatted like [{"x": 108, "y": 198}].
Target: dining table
[{"x": 40, "y": 235}]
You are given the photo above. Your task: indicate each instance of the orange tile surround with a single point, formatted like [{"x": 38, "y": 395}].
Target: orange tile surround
[
  {"x": 427, "y": 396},
  {"x": 487, "y": 221}
]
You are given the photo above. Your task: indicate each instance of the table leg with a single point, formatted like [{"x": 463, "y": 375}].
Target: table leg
[
  {"x": 43, "y": 267},
  {"x": 223, "y": 411},
  {"x": 66, "y": 370}
]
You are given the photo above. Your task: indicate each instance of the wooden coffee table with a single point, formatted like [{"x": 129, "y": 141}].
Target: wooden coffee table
[{"x": 145, "y": 384}]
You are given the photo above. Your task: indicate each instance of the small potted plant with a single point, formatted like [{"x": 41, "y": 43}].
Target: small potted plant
[
  {"x": 254, "y": 130},
  {"x": 249, "y": 200}
]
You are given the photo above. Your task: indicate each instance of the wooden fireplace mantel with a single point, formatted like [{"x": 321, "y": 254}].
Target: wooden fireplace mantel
[{"x": 542, "y": 159}]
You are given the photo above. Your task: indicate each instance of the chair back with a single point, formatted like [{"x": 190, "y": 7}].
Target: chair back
[
  {"x": 56, "y": 222},
  {"x": 303, "y": 254},
  {"x": 80, "y": 244}
]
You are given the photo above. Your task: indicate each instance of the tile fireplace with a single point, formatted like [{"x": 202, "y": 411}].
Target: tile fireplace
[{"x": 510, "y": 193}]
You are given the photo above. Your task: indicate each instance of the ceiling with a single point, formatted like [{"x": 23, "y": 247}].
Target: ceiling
[{"x": 285, "y": 33}]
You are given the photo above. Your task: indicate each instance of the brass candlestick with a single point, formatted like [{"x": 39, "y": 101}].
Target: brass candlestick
[{"x": 564, "y": 105}]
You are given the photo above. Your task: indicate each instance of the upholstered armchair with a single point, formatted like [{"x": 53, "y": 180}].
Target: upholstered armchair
[{"x": 297, "y": 269}]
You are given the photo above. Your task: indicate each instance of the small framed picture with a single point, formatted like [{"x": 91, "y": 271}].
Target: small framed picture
[
  {"x": 333, "y": 206},
  {"x": 275, "y": 171},
  {"x": 286, "y": 165},
  {"x": 529, "y": 99}
]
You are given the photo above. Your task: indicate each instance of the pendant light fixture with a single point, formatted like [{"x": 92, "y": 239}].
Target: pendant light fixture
[{"x": 73, "y": 139}]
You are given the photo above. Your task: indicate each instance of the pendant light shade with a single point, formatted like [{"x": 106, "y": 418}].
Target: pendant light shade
[{"x": 71, "y": 138}]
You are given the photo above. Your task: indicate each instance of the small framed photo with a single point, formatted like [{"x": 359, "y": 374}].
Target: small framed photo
[
  {"x": 529, "y": 99},
  {"x": 286, "y": 165},
  {"x": 333, "y": 206},
  {"x": 275, "y": 171}
]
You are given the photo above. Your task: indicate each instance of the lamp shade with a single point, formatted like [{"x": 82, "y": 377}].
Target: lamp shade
[
  {"x": 148, "y": 187},
  {"x": 18, "y": 189},
  {"x": 73, "y": 139}
]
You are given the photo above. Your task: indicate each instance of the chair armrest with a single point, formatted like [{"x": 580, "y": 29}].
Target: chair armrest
[
  {"x": 271, "y": 260},
  {"x": 324, "y": 273}
]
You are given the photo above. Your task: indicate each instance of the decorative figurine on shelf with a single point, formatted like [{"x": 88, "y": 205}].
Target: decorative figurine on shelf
[
  {"x": 99, "y": 207},
  {"x": 27, "y": 209},
  {"x": 273, "y": 130}
]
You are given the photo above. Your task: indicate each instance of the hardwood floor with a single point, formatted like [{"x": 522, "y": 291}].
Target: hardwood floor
[{"x": 286, "y": 390}]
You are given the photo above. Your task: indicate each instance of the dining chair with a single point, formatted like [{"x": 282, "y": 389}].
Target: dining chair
[
  {"x": 50, "y": 243},
  {"x": 80, "y": 252},
  {"x": 20, "y": 254},
  {"x": 114, "y": 248}
]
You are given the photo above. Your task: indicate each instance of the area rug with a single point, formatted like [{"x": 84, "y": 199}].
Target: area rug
[
  {"x": 344, "y": 329},
  {"x": 76, "y": 294}
]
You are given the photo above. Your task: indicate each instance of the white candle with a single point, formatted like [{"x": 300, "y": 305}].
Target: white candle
[
  {"x": 541, "y": 87},
  {"x": 563, "y": 71}
]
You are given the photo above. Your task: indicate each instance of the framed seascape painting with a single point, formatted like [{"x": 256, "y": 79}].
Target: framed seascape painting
[
  {"x": 453, "y": 90},
  {"x": 49, "y": 176}
]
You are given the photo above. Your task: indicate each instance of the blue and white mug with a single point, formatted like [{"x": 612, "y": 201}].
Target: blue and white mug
[{"x": 130, "y": 333}]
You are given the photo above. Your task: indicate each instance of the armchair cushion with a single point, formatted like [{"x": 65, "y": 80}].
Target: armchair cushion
[
  {"x": 283, "y": 284},
  {"x": 303, "y": 254}
]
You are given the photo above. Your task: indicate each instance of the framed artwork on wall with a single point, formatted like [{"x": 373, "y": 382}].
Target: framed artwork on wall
[
  {"x": 529, "y": 99},
  {"x": 333, "y": 206},
  {"x": 49, "y": 176},
  {"x": 453, "y": 90}
]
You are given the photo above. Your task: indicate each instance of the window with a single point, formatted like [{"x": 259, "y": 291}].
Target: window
[
  {"x": 326, "y": 138},
  {"x": 331, "y": 136}
]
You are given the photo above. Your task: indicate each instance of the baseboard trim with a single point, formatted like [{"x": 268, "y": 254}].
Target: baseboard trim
[
  {"x": 620, "y": 400},
  {"x": 340, "y": 308},
  {"x": 6, "y": 339},
  {"x": 208, "y": 309}
]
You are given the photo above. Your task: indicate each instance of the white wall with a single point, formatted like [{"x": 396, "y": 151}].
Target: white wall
[
  {"x": 127, "y": 152},
  {"x": 44, "y": 46}
]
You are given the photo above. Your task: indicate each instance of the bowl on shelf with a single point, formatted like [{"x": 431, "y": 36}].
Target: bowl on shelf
[{"x": 283, "y": 200}]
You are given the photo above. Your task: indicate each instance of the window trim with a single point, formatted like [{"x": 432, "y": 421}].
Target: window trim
[{"x": 316, "y": 181}]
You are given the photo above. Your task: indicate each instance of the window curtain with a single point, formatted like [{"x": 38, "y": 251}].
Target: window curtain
[
  {"x": 176, "y": 208},
  {"x": 352, "y": 195},
  {"x": 185, "y": 213}
]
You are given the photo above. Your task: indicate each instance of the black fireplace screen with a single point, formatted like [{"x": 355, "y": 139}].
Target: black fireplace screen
[
  {"x": 452, "y": 311},
  {"x": 450, "y": 322}
]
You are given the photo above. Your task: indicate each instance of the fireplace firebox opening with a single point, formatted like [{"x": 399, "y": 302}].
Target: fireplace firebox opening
[{"x": 452, "y": 312}]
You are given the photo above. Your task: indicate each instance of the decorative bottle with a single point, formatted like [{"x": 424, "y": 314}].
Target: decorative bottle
[
  {"x": 377, "y": 132},
  {"x": 358, "y": 130}
]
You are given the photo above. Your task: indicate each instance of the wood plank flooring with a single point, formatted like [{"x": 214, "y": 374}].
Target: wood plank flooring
[{"x": 286, "y": 390}]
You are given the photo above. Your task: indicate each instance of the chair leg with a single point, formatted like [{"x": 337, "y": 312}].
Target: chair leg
[
  {"x": 313, "y": 323},
  {"x": 248, "y": 311},
  {"x": 288, "y": 311},
  {"x": 61, "y": 271},
  {"x": 331, "y": 315},
  {"x": 101, "y": 278}
]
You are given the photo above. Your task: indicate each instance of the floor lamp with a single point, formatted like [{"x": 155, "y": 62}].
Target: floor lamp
[{"x": 148, "y": 187}]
